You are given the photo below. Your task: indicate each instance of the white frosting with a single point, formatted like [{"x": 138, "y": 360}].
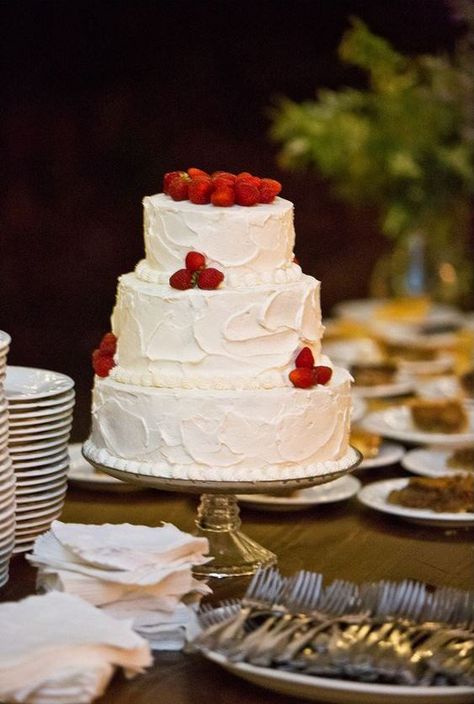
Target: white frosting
[
  {"x": 256, "y": 241},
  {"x": 195, "y": 434},
  {"x": 228, "y": 338}
]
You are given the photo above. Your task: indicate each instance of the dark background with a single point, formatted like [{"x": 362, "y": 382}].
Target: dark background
[{"x": 99, "y": 99}]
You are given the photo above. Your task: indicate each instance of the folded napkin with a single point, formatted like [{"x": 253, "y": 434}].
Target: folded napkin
[
  {"x": 134, "y": 572},
  {"x": 57, "y": 647}
]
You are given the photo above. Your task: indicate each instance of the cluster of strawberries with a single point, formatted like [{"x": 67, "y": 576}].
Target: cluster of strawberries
[
  {"x": 103, "y": 357},
  {"x": 220, "y": 188},
  {"x": 306, "y": 374},
  {"x": 196, "y": 274}
]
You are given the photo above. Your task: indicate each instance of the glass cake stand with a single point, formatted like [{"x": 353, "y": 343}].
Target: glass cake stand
[{"x": 234, "y": 553}]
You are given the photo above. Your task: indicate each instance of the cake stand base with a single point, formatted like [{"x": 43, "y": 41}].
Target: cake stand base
[{"x": 234, "y": 553}]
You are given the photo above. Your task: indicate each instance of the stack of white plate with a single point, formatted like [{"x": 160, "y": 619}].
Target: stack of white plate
[
  {"x": 40, "y": 405},
  {"x": 7, "y": 476}
]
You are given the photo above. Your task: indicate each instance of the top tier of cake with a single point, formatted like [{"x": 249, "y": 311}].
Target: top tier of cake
[{"x": 251, "y": 245}]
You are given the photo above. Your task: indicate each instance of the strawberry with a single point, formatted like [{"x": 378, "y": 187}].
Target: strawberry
[
  {"x": 322, "y": 374},
  {"x": 178, "y": 187},
  {"x": 305, "y": 359},
  {"x": 210, "y": 278},
  {"x": 200, "y": 189},
  {"x": 167, "y": 178},
  {"x": 182, "y": 279},
  {"x": 196, "y": 173},
  {"x": 222, "y": 178},
  {"x": 246, "y": 193},
  {"x": 102, "y": 364},
  {"x": 302, "y": 378},
  {"x": 269, "y": 189},
  {"x": 108, "y": 344},
  {"x": 195, "y": 261},
  {"x": 246, "y": 177},
  {"x": 223, "y": 197}
]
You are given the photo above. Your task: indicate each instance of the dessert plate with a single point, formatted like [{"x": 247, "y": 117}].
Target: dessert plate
[
  {"x": 439, "y": 387},
  {"x": 441, "y": 365},
  {"x": 395, "y": 422},
  {"x": 429, "y": 462},
  {"x": 83, "y": 474},
  {"x": 337, "y": 691},
  {"x": 398, "y": 387},
  {"x": 29, "y": 383},
  {"x": 389, "y": 453},
  {"x": 363, "y": 310},
  {"x": 375, "y": 496},
  {"x": 48, "y": 402},
  {"x": 338, "y": 490}
]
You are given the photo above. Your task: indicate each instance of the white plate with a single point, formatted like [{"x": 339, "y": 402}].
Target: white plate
[
  {"x": 41, "y": 415},
  {"x": 29, "y": 383},
  {"x": 375, "y": 495},
  {"x": 83, "y": 474},
  {"x": 53, "y": 458},
  {"x": 396, "y": 388},
  {"x": 34, "y": 433},
  {"x": 24, "y": 447},
  {"x": 38, "y": 404},
  {"x": 441, "y": 365},
  {"x": 352, "y": 351},
  {"x": 413, "y": 335},
  {"x": 39, "y": 518},
  {"x": 337, "y": 490},
  {"x": 48, "y": 492},
  {"x": 45, "y": 472},
  {"x": 26, "y": 490},
  {"x": 5, "y": 340},
  {"x": 38, "y": 454},
  {"x": 33, "y": 508},
  {"x": 395, "y": 422},
  {"x": 389, "y": 453},
  {"x": 429, "y": 462},
  {"x": 335, "y": 691},
  {"x": 363, "y": 310},
  {"x": 439, "y": 387}
]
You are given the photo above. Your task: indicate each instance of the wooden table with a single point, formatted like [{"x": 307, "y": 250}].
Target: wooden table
[{"x": 342, "y": 540}]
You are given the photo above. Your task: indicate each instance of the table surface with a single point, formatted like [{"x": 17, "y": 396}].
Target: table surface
[{"x": 343, "y": 540}]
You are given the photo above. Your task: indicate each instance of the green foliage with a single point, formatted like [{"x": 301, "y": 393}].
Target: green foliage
[{"x": 404, "y": 144}]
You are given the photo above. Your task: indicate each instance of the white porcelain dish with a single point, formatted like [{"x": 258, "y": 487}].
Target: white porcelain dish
[
  {"x": 29, "y": 383},
  {"x": 389, "y": 453},
  {"x": 430, "y": 462},
  {"x": 334, "y": 691},
  {"x": 395, "y": 422},
  {"x": 375, "y": 496},
  {"x": 338, "y": 490}
]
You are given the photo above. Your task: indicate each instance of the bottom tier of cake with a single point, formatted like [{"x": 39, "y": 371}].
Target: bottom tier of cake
[{"x": 220, "y": 435}]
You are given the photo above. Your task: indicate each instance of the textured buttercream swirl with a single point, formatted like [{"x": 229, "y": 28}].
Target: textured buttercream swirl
[
  {"x": 228, "y": 338},
  {"x": 284, "y": 429}
]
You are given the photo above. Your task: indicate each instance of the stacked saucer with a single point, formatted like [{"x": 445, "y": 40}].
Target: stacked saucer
[
  {"x": 40, "y": 405},
  {"x": 7, "y": 476}
]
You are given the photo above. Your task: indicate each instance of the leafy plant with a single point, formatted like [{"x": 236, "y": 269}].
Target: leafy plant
[{"x": 404, "y": 144}]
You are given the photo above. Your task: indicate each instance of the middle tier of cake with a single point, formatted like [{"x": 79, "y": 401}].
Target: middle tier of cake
[{"x": 230, "y": 338}]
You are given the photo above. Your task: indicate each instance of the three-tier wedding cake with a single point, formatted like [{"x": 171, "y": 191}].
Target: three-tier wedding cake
[{"x": 213, "y": 369}]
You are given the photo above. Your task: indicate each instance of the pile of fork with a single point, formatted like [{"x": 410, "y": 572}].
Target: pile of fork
[{"x": 385, "y": 632}]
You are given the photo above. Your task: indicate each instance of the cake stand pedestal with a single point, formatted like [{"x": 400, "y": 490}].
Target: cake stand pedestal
[{"x": 234, "y": 553}]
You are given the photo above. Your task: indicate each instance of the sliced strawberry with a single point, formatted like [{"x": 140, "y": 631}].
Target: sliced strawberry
[
  {"x": 196, "y": 173},
  {"x": 246, "y": 193},
  {"x": 322, "y": 374},
  {"x": 302, "y": 378},
  {"x": 102, "y": 364},
  {"x": 269, "y": 189},
  {"x": 182, "y": 279},
  {"x": 178, "y": 187},
  {"x": 223, "y": 197},
  {"x": 210, "y": 278},
  {"x": 167, "y": 178},
  {"x": 195, "y": 261},
  {"x": 200, "y": 189},
  {"x": 305, "y": 358},
  {"x": 108, "y": 344}
]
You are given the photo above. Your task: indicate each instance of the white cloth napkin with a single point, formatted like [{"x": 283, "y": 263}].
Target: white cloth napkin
[
  {"x": 59, "y": 648},
  {"x": 134, "y": 572}
]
